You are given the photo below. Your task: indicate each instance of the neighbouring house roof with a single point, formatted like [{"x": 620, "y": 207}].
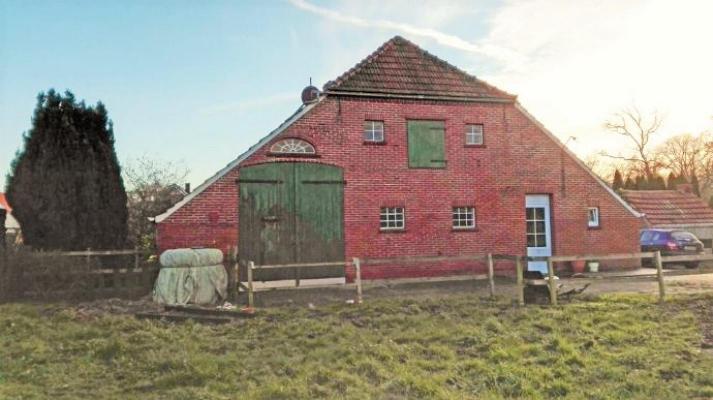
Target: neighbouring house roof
[
  {"x": 400, "y": 68},
  {"x": 4, "y": 204},
  {"x": 669, "y": 207},
  {"x": 10, "y": 221}
]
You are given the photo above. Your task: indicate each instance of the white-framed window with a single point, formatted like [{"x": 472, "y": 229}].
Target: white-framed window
[
  {"x": 292, "y": 146},
  {"x": 392, "y": 218},
  {"x": 463, "y": 217},
  {"x": 474, "y": 134},
  {"x": 374, "y": 131},
  {"x": 593, "y": 217}
]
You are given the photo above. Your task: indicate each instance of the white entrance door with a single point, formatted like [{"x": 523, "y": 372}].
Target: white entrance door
[{"x": 539, "y": 238}]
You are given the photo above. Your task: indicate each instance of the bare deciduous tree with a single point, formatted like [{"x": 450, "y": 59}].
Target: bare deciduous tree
[
  {"x": 683, "y": 154},
  {"x": 639, "y": 129},
  {"x": 153, "y": 187}
]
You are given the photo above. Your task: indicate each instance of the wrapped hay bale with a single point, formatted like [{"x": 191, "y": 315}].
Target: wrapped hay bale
[
  {"x": 191, "y": 257},
  {"x": 194, "y": 276}
]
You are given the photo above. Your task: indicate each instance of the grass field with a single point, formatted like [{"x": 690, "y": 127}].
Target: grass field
[{"x": 611, "y": 347}]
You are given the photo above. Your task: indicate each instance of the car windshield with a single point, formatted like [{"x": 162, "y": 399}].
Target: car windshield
[{"x": 683, "y": 236}]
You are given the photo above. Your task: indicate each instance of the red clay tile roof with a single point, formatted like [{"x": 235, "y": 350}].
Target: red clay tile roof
[
  {"x": 399, "y": 67},
  {"x": 4, "y": 204},
  {"x": 669, "y": 207}
]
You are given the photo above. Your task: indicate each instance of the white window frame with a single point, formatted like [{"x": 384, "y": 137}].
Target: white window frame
[
  {"x": 373, "y": 131},
  {"x": 292, "y": 146},
  {"x": 593, "y": 217},
  {"x": 398, "y": 223},
  {"x": 472, "y": 132},
  {"x": 463, "y": 214}
]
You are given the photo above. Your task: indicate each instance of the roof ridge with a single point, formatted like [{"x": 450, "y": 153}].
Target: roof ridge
[
  {"x": 453, "y": 67},
  {"x": 358, "y": 66},
  {"x": 335, "y": 84}
]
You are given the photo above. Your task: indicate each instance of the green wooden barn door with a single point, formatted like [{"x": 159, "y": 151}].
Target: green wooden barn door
[
  {"x": 319, "y": 204},
  {"x": 426, "y": 144},
  {"x": 291, "y": 213},
  {"x": 265, "y": 203}
]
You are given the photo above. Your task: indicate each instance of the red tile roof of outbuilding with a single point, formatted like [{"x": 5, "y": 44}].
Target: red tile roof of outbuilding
[
  {"x": 401, "y": 68},
  {"x": 669, "y": 207},
  {"x": 4, "y": 204}
]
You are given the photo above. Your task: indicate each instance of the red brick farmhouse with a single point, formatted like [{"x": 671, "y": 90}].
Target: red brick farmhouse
[{"x": 404, "y": 155}]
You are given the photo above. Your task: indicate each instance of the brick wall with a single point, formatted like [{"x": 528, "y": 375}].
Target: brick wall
[{"x": 517, "y": 159}]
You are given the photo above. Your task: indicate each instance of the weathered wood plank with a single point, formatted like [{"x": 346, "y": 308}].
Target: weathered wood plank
[
  {"x": 251, "y": 267},
  {"x": 304, "y": 265},
  {"x": 692, "y": 257},
  {"x": 420, "y": 259},
  {"x": 598, "y": 257},
  {"x": 491, "y": 276},
  {"x": 520, "y": 286},
  {"x": 357, "y": 266},
  {"x": 551, "y": 282},
  {"x": 659, "y": 274}
]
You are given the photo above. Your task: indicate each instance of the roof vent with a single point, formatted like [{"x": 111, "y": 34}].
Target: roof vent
[{"x": 310, "y": 93}]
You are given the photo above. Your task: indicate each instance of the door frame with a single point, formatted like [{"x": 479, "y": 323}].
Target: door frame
[
  {"x": 544, "y": 201},
  {"x": 250, "y": 244}
]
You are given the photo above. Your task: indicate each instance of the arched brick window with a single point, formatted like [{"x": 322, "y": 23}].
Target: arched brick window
[{"x": 292, "y": 146}]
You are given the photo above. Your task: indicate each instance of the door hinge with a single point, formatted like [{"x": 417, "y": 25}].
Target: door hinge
[
  {"x": 273, "y": 181},
  {"x": 325, "y": 182}
]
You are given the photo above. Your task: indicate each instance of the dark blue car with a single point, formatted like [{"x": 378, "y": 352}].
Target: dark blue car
[{"x": 671, "y": 242}]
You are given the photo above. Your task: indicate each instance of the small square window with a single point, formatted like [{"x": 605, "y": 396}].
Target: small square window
[
  {"x": 392, "y": 218},
  {"x": 463, "y": 217},
  {"x": 593, "y": 217},
  {"x": 474, "y": 134},
  {"x": 373, "y": 131}
]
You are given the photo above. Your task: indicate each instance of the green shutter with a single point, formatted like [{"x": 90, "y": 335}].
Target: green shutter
[{"x": 426, "y": 144}]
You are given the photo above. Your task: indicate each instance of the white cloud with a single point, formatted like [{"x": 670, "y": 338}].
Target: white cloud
[
  {"x": 572, "y": 63},
  {"x": 493, "y": 51},
  {"x": 588, "y": 59}
]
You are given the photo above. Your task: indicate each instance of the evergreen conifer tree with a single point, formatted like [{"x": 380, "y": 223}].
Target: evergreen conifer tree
[
  {"x": 617, "y": 182},
  {"x": 671, "y": 181},
  {"x": 641, "y": 183},
  {"x": 629, "y": 184},
  {"x": 696, "y": 185},
  {"x": 658, "y": 183},
  {"x": 65, "y": 184}
]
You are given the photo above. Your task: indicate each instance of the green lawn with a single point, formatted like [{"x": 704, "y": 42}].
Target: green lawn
[{"x": 462, "y": 347}]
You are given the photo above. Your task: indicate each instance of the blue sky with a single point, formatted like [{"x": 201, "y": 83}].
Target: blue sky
[{"x": 199, "y": 82}]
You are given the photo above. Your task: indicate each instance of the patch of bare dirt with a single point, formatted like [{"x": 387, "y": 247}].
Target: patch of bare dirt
[{"x": 114, "y": 306}]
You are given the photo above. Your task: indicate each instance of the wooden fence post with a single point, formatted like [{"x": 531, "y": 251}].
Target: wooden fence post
[
  {"x": 135, "y": 275},
  {"x": 357, "y": 266},
  {"x": 251, "y": 265},
  {"x": 659, "y": 275},
  {"x": 232, "y": 275},
  {"x": 236, "y": 271},
  {"x": 551, "y": 282},
  {"x": 491, "y": 275},
  {"x": 520, "y": 287}
]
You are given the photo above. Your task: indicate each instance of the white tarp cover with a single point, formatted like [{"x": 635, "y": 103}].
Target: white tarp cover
[
  {"x": 191, "y": 257},
  {"x": 187, "y": 277}
]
